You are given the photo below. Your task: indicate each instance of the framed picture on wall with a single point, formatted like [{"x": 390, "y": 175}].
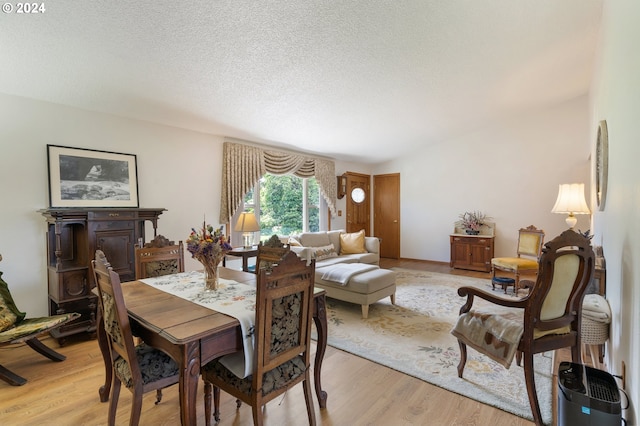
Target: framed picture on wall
[{"x": 90, "y": 178}]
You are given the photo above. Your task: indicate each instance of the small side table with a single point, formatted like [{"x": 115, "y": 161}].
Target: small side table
[{"x": 244, "y": 253}]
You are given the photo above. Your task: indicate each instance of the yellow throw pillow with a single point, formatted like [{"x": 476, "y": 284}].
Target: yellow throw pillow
[{"x": 352, "y": 243}]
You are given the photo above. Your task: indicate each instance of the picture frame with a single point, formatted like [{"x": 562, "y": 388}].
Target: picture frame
[{"x": 81, "y": 177}]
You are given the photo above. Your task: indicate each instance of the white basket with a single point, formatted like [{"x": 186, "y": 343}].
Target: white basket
[{"x": 593, "y": 332}]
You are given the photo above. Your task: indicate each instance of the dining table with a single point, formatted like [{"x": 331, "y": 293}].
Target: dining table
[{"x": 194, "y": 335}]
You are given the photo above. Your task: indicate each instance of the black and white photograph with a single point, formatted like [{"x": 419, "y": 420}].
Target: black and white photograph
[{"x": 90, "y": 178}]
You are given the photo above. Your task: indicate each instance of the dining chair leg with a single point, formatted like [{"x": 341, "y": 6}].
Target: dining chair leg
[
  {"x": 207, "y": 403},
  {"x": 309, "y": 399},
  {"x": 113, "y": 403},
  {"x": 216, "y": 402},
  {"x": 136, "y": 409}
]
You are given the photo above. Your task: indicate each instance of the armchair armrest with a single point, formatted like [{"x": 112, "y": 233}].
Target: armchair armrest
[{"x": 470, "y": 292}]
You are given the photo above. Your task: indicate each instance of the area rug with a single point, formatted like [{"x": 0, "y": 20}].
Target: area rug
[{"x": 413, "y": 337}]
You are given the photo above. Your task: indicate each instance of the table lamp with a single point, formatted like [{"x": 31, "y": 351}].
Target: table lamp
[
  {"x": 247, "y": 224},
  {"x": 571, "y": 201}
]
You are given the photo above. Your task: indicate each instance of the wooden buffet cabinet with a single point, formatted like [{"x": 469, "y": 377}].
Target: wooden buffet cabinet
[
  {"x": 473, "y": 252},
  {"x": 73, "y": 236}
]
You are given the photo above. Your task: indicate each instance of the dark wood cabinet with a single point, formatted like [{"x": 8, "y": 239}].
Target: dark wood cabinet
[
  {"x": 73, "y": 236},
  {"x": 472, "y": 252}
]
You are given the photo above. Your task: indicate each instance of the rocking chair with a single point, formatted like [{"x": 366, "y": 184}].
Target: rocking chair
[{"x": 15, "y": 328}]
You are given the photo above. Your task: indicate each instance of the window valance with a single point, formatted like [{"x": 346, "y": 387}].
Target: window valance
[{"x": 244, "y": 165}]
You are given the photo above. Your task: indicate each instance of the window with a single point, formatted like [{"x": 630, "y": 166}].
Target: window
[{"x": 286, "y": 204}]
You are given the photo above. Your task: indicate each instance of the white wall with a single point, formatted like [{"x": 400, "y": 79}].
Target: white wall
[
  {"x": 177, "y": 169},
  {"x": 489, "y": 170},
  {"x": 616, "y": 98}
]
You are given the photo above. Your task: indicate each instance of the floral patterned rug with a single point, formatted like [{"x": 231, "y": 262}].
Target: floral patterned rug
[{"x": 414, "y": 337}]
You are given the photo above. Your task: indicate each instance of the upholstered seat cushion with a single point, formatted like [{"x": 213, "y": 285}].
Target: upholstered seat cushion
[
  {"x": 9, "y": 313},
  {"x": 271, "y": 380},
  {"x": 29, "y": 327},
  {"x": 154, "y": 365},
  {"x": 514, "y": 263}
]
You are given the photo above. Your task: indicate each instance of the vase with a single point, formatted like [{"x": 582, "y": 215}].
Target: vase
[
  {"x": 472, "y": 232},
  {"x": 211, "y": 277}
]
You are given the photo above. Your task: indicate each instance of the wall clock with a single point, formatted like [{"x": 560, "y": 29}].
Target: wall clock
[{"x": 602, "y": 164}]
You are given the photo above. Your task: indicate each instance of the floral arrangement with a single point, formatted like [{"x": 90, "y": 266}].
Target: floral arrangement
[
  {"x": 473, "y": 220},
  {"x": 208, "y": 246},
  {"x": 207, "y": 242}
]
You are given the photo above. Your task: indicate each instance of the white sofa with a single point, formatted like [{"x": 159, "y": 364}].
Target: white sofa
[
  {"x": 311, "y": 241},
  {"x": 363, "y": 287}
]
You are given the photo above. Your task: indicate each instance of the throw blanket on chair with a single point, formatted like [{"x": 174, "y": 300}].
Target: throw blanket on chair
[
  {"x": 342, "y": 272},
  {"x": 495, "y": 335}
]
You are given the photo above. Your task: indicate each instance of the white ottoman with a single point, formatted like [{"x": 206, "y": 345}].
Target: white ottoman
[{"x": 363, "y": 288}]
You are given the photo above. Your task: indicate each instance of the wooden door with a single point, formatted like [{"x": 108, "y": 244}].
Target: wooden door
[
  {"x": 386, "y": 214},
  {"x": 358, "y": 203}
]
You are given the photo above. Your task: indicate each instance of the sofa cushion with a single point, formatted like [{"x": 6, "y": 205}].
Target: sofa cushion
[
  {"x": 314, "y": 239},
  {"x": 334, "y": 238},
  {"x": 335, "y": 261},
  {"x": 293, "y": 242},
  {"x": 352, "y": 243},
  {"x": 366, "y": 257}
]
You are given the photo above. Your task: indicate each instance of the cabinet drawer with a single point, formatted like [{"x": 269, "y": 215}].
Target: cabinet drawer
[
  {"x": 112, "y": 215},
  {"x": 109, "y": 225}
]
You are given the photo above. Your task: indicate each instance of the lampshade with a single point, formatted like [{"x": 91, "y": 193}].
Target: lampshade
[
  {"x": 571, "y": 201},
  {"x": 247, "y": 223}
]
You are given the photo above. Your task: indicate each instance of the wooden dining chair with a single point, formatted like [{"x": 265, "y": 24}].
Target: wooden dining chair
[
  {"x": 270, "y": 253},
  {"x": 549, "y": 318},
  {"x": 141, "y": 368},
  {"x": 159, "y": 257},
  {"x": 282, "y": 342},
  {"x": 15, "y": 329}
]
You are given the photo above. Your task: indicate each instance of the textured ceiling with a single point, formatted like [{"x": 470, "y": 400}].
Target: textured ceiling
[{"x": 357, "y": 80}]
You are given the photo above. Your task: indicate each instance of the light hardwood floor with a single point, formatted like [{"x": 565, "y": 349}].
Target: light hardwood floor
[{"x": 360, "y": 392}]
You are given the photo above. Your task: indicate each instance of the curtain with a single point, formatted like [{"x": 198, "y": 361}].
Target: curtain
[{"x": 244, "y": 165}]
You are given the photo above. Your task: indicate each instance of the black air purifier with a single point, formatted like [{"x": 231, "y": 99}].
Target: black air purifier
[{"x": 587, "y": 397}]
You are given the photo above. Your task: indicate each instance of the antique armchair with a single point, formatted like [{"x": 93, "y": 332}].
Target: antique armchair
[
  {"x": 530, "y": 241},
  {"x": 282, "y": 338},
  {"x": 548, "y": 318},
  {"x": 15, "y": 328},
  {"x": 159, "y": 257},
  {"x": 141, "y": 368}
]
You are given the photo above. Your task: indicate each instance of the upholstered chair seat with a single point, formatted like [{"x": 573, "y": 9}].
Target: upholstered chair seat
[{"x": 154, "y": 365}]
